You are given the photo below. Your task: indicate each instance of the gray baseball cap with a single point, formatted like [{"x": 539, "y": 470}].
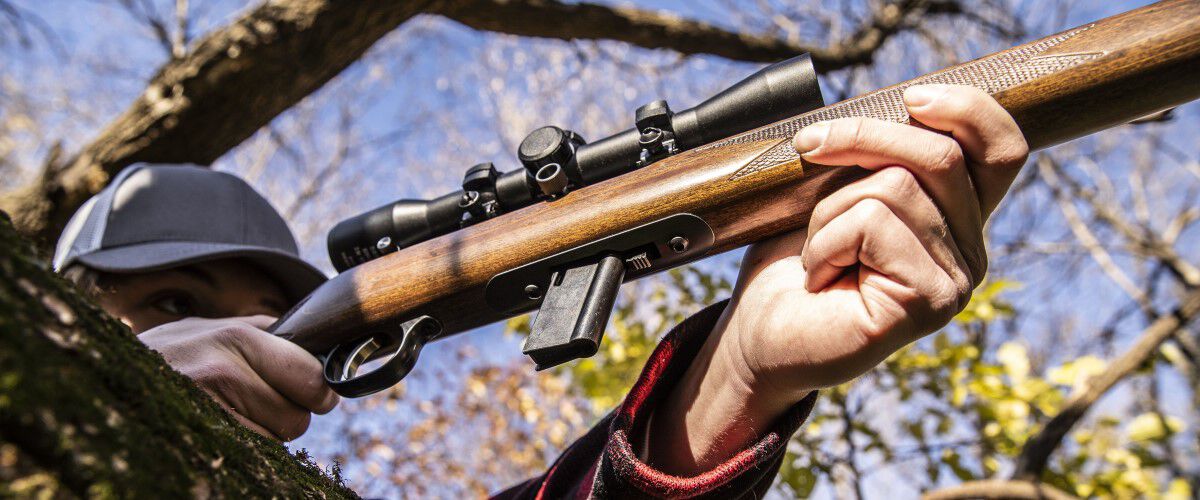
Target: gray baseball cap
[{"x": 151, "y": 218}]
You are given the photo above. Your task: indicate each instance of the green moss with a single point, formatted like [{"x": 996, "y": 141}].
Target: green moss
[{"x": 106, "y": 417}]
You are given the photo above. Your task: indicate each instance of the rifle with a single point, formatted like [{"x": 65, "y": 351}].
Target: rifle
[{"x": 580, "y": 219}]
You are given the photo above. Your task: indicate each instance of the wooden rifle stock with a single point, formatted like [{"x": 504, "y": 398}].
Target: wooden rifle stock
[{"x": 753, "y": 186}]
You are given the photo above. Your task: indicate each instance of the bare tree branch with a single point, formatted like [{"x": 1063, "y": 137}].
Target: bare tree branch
[
  {"x": 196, "y": 108},
  {"x": 1048, "y": 171},
  {"x": 1037, "y": 450},
  {"x": 585, "y": 21},
  {"x": 180, "y": 41},
  {"x": 994, "y": 488},
  {"x": 238, "y": 78},
  {"x": 19, "y": 21},
  {"x": 1140, "y": 241}
]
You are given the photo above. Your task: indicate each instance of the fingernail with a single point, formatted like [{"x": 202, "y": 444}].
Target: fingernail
[
  {"x": 920, "y": 95},
  {"x": 811, "y": 137}
]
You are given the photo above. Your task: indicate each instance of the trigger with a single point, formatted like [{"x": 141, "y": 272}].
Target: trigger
[{"x": 340, "y": 366}]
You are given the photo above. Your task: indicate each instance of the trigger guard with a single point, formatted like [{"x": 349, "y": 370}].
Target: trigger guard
[{"x": 340, "y": 365}]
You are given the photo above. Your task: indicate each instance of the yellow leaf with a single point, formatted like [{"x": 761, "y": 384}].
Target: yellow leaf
[
  {"x": 1123, "y": 457},
  {"x": 1076, "y": 373},
  {"x": 1179, "y": 489},
  {"x": 1148, "y": 427},
  {"x": 1015, "y": 360},
  {"x": 1010, "y": 410},
  {"x": 477, "y": 387},
  {"x": 990, "y": 464},
  {"x": 1173, "y": 354},
  {"x": 959, "y": 395}
]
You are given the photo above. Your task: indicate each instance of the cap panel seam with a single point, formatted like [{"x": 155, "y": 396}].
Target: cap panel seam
[
  {"x": 242, "y": 199},
  {"x": 105, "y": 208}
]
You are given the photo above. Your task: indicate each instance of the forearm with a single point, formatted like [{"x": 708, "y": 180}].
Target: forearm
[{"x": 715, "y": 411}]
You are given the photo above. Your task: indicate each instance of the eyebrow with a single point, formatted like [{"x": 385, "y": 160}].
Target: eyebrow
[
  {"x": 204, "y": 277},
  {"x": 197, "y": 274}
]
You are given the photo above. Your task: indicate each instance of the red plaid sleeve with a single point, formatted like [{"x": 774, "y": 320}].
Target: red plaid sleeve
[{"x": 604, "y": 464}]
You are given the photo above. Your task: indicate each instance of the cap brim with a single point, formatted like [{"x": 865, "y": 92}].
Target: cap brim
[{"x": 298, "y": 278}]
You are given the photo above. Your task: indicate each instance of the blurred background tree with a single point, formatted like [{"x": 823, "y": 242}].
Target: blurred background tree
[{"x": 1071, "y": 373}]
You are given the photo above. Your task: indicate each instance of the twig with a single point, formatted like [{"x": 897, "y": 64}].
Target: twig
[
  {"x": 1079, "y": 228},
  {"x": 995, "y": 488},
  {"x": 655, "y": 29},
  {"x": 1037, "y": 450}
]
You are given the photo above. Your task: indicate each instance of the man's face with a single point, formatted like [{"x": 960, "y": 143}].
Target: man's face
[{"x": 216, "y": 289}]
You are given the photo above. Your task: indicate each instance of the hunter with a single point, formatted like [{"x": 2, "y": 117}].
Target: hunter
[{"x": 198, "y": 264}]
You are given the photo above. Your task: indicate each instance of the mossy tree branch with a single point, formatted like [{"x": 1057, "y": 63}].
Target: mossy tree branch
[{"x": 87, "y": 410}]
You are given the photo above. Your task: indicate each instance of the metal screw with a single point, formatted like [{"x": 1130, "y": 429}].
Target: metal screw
[
  {"x": 383, "y": 243},
  {"x": 533, "y": 292},
  {"x": 679, "y": 244}
]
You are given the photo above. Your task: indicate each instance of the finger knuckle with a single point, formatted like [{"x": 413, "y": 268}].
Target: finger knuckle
[
  {"x": 873, "y": 329},
  {"x": 947, "y": 300},
  {"x": 215, "y": 373},
  {"x": 822, "y": 213},
  {"x": 815, "y": 252},
  {"x": 231, "y": 332},
  {"x": 1011, "y": 154},
  {"x": 976, "y": 265},
  {"x": 949, "y": 155},
  {"x": 872, "y": 210},
  {"x": 961, "y": 286},
  {"x": 897, "y": 181}
]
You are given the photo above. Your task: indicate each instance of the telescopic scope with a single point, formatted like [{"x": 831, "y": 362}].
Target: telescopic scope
[{"x": 558, "y": 161}]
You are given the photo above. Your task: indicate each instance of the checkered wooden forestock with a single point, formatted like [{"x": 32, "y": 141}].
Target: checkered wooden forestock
[{"x": 992, "y": 74}]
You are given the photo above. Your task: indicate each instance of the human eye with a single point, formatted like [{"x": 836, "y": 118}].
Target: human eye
[{"x": 175, "y": 303}]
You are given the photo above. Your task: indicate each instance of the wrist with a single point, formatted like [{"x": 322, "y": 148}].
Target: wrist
[
  {"x": 717, "y": 409},
  {"x": 773, "y": 379}
]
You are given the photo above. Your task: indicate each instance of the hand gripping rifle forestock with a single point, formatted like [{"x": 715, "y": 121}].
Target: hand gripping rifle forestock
[{"x": 753, "y": 186}]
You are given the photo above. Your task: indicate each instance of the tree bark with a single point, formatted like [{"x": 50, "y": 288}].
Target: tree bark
[
  {"x": 196, "y": 108},
  {"x": 663, "y": 30},
  {"x": 238, "y": 78},
  {"x": 87, "y": 410}
]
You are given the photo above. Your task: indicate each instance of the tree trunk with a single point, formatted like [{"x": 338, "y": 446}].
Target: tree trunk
[{"x": 87, "y": 410}]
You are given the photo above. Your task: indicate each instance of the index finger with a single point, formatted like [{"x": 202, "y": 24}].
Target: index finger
[
  {"x": 934, "y": 159},
  {"x": 287, "y": 368},
  {"x": 990, "y": 138}
]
